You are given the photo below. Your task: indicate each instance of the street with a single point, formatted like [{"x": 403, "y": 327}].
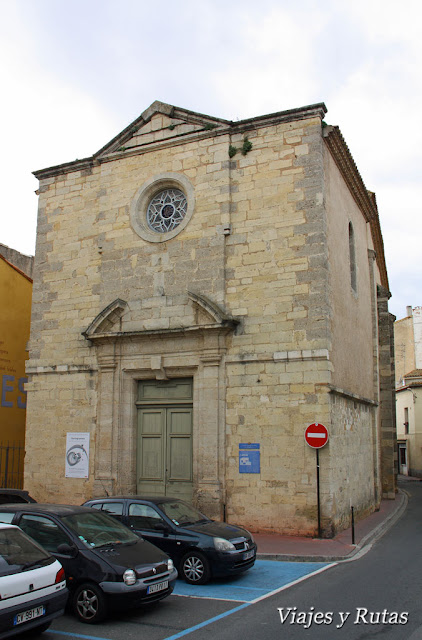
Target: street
[{"x": 377, "y": 593}]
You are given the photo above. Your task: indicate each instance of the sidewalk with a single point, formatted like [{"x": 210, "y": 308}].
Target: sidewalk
[{"x": 297, "y": 549}]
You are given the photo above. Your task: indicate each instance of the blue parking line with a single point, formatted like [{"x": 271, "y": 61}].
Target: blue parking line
[
  {"x": 264, "y": 577},
  {"x": 324, "y": 566},
  {"x": 207, "y": 622}
]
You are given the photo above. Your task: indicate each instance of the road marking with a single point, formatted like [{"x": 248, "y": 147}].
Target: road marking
[
  {"x": 294, "y": 582},
  {"x": 182, "y": 595},
  {"x": 264, "y": 577},
  {"x": 266, "y": 570},
  {"x": 176, "y": 636},
  {"x": 207, "y": 622}
]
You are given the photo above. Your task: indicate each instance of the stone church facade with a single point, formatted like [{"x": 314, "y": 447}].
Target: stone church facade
[{"x": 203, "y": 291}]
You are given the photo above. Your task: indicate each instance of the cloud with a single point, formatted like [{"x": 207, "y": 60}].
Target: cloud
[
  {"x": 72, "y": 84},
  {"x": 45, "y": 122},
  {"x": 400, "y": 213},
  {"x": 271, "y": 66}
]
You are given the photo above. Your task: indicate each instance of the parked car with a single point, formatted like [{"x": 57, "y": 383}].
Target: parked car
[
  {"x": 32, "y": 584},
  {"x": 106, "y": 564},
  {"x": 8, "y": 496},
  {"x": 201, "y": 548}
]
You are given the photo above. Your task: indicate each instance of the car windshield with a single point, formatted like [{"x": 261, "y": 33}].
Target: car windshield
[
  {"x": 19, "y": 553},
  {"x": 99, "y": 530},
  {"x": 182, "y": 513}
]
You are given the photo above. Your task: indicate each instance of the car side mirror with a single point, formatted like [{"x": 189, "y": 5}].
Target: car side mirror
[
  {"x": 67, "y": 550},
  {"x": 161, "y": 526}
]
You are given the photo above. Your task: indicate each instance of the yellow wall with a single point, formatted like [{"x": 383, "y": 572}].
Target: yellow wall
[{"x": 15, "y": 316}]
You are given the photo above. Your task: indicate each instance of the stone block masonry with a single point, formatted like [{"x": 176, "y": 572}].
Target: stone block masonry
[{"x": 237, "y": 300}]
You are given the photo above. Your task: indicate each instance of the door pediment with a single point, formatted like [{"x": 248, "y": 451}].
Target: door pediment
[
  {"x": 202, "y": 314},
  {"x": 208, "y": 311},
  {"x": 107, "y": 319}
]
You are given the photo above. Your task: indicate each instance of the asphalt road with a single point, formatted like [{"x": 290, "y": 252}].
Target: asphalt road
[{"x": 376, "y": 595}]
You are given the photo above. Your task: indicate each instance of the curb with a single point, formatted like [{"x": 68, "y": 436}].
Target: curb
[
  {"x": 373, "y": 536},
  {"x": 360, "y": 549},
  {"x": 285, "y": 557}
]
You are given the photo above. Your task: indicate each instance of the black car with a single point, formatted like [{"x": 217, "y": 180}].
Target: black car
[
  {"x": 8, "y": 496},
  {"x": 201, "y": 548},
  {"x": 106, "y": 564}
]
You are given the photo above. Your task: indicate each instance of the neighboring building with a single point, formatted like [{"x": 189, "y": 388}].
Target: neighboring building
[
  {"x": 20, "y": 260},
  {"x": 408, "y": 350},
  {"x": 15, "y": 317},
  {"x": 205, "y": 290}
]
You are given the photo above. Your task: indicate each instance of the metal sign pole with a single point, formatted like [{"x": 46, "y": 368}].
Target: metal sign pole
[
  {"x": 318, "y": 499},
  {"x": 316, "y": 437}
]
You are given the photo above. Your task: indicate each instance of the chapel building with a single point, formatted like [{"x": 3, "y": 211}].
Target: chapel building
[{"x": 203, "y": 291}]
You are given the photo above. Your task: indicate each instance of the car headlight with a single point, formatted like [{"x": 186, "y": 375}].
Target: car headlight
[
  {"x": 221, "y": 544},
  {"x": 170, "y": 564},
  {"x": 252, "y": 539},
  {"x": 129, "y": 577}
]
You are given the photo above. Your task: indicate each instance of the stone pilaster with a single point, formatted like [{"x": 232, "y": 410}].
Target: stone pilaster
[
  {"x": 376, "y": 440},
  {"x": 387, "y": 396},
  {"x": 104, "y": 477},
  {"x": 211, "y": 436}
]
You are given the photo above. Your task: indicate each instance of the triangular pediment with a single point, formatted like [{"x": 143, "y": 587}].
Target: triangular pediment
[{"x": 160, "y": 124}]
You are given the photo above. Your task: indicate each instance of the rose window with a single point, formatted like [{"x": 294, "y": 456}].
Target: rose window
[{"x": 166, "y": 210}]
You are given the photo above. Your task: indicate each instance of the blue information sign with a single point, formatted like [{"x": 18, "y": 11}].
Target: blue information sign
[{"x": 249, "y": 458}]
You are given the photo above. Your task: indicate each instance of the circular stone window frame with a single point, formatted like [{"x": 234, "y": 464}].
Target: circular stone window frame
[{"x": 144, "y": 195}]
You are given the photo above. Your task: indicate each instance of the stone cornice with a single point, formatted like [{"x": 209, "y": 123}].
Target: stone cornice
[
  {"x": 222, "y": 127},
  {"x": 63, "y": 169},
  {"x": 58, "y": 369},
  {"x": 317, "y": 110},
  {"x": 110, "y": 151},
  {"x": 349, "y": 395},
  {"x": 280, "y": 356},
  {"x": 364, "y": 199},
  {"x": 159, "y": 333}
]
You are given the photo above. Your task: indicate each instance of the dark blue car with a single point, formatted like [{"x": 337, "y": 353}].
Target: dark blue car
[{"x": 200, "y": 548}]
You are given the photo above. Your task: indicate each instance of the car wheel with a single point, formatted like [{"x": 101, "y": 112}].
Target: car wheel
[
  {"x": 195, "y": 568},
  {"x": 88, "y": 603}
]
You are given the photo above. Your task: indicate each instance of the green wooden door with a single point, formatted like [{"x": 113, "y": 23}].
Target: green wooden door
[{"x": 164, "y": 455}]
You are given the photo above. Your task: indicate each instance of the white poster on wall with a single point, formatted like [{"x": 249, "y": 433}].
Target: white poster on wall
[{"x": 77, "y": 455}]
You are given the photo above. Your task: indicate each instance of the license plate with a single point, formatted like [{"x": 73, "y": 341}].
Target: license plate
[
  {"x": 158, "y": 587},
  {"x": 248, "y": 554},
  {"x": 25, "y": 616}
]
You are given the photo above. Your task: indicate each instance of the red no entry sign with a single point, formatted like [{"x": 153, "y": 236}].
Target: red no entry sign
[{"x": 316, "y": 436}]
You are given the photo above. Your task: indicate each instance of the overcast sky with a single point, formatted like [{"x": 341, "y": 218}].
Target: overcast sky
[{"x": 74, "y": 73}]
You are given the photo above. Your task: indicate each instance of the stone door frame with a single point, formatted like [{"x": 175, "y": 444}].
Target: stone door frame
[{"x": 124, "y": 359}]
